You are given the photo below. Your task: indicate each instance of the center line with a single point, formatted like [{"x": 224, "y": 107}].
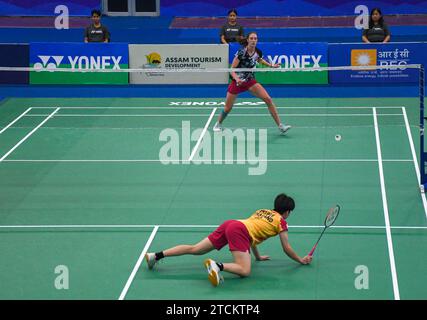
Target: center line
[
  {"x": 196, "y": 147},
  {"x": 138, "y": 263}
]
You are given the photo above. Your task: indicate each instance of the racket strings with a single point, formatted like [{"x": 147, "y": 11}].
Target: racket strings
[{"x": 332, "y": 216}]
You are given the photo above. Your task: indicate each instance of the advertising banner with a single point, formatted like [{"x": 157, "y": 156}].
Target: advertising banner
[
  {"x": 179, "y": 56},
  {"x": 390, "y": 54},
  {"x": 93, "y": 56},
  {"x": 291, "y": 56}
]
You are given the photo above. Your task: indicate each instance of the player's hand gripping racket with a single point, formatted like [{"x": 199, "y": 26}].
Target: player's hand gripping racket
[{"x": 330, "y": 219}]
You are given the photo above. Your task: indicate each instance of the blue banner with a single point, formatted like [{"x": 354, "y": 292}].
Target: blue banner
[
  {"x": 14, "y": 55},
  {"x": 47, "y": 7},
  {"x": 390, "y": 54},
  {"x": 93, "y": 56},
  {"x": 291, "y": 56},
  {"x": 246, "y": 8}
]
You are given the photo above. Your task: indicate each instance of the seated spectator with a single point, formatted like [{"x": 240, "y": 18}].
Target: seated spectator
[
  {"x": 231, "y": 31},
  {"x": 378, "y": 30},
  {"x": 97, "y": 32}
]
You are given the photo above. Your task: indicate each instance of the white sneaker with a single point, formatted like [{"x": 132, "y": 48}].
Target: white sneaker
[
  {"x": 214, "y": 274},
  {"x": 283, "y": 129},
  {"x": 151, "y": 260},
  {"x": 217, "y": 127}
]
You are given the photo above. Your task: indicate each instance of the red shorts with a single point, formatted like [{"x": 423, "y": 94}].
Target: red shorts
[
  {"x": 234, "y": 233},
  {"x": 233, "y": 88}
]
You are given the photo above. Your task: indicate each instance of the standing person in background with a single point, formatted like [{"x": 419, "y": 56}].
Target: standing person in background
[
  {"x": 247, "y": 58},
  {"x": 97, "y": 32},
  {"x": 378, "y": 30},
  {"x": 231, "y": 31}
]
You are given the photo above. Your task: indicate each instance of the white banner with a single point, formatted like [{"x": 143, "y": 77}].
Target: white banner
[{"x": 179, "y": 56}]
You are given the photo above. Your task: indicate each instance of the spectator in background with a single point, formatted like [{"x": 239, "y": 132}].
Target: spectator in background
[
  {"x": 231, "y": 31},
  {"x": 97, "y": 32},
  {"x": 378, "y": 30}
]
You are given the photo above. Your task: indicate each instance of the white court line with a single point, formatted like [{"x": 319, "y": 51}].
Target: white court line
[
  {"x": 213, "y": 161},
  {"x": 138, "y": 263},
  {"x": 204, "y": 107},
  {"x": 14, "y": 121},
  {"x": 196, "y": 147},
  {"x": 414, "y": 156},
  {"x": 28, "y": 135},
  {"x": 186, "y": 226},
  {"x": 204, "y": 115},
  {"x": 385, "y": 207}
]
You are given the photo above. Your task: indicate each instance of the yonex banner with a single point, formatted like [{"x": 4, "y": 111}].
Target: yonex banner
[
  {"x": 14, "y": 55},
  {"x": 179, "y": 56},
  {"x": 390, "y": 54},
  {"x": 90, "y": 56},
  {"x": 291, "y": 56}
]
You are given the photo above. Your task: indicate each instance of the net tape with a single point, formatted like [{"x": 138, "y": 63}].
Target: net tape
[{"x": 214, "y": 70}]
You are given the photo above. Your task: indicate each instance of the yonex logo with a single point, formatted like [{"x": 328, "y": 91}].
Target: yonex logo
[
  {"x": 296, "y": 61},
  {"x": 55, "y": 62},
  {"x": 79, "y": 62}
]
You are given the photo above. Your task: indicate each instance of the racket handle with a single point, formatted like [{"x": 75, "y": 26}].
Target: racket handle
[{"x": 312, "y": 250}]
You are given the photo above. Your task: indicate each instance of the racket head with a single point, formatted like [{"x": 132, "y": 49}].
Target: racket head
[{"x": 332, "y": 215}]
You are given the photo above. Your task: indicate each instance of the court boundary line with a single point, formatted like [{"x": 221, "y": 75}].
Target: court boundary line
[
  {"x": 15, "y": 120},
  {"x": 204, "y": 115},
  {"x": 199, "y": 141},
  {"x": 187, "y": 226},
  {"x": 138, "y": 263},
  {"x": 218, "y": 105},
  {"x": 212, "y": 162},
  {"x": 28, "y": 135},
  {"x": 385, "y": 209},
  {"x": 414, "y": 157}
]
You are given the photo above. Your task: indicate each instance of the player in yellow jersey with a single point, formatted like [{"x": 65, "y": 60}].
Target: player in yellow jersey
[{"x": 241, "y": 236}]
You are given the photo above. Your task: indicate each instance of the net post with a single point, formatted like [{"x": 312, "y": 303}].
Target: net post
[{"x": 422, "y": 148}]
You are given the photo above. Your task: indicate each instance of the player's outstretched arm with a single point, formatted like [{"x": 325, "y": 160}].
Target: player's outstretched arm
[
  {"x": 271, "y": 65},
  {"x": 289, "y": 251}
]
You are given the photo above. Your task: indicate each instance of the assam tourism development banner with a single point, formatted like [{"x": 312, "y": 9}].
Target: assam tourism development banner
[
  {"x": 291, "y": 56},
  {"x": 180, "y": 56},
  {"x": 87, "y": 56}
]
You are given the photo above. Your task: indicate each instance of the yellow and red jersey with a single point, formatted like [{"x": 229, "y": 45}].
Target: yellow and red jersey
[{"x": 263, "y": 224}]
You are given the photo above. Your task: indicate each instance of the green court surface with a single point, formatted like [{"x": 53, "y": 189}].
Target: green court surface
[{"x": 84, "y": 185}]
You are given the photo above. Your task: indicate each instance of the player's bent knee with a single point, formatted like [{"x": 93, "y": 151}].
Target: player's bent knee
[{"x": 245, "y": 273}]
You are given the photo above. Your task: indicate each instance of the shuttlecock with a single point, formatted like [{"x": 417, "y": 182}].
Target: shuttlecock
[{"x": 338, "y": 137}]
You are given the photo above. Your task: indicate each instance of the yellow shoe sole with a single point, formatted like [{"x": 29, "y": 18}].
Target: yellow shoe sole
[{"x": 213, "y": 275}]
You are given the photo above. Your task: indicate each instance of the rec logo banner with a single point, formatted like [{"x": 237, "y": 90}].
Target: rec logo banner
[
  {"x": 390, "y": 54},
  {"x": 179, "y": 56},
  {"x": 86, "y": 56},
  {"x": 291, "y": 56}
]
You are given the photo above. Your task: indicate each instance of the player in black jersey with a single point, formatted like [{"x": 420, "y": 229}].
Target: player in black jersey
[{"x": 247, "y": 57}]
